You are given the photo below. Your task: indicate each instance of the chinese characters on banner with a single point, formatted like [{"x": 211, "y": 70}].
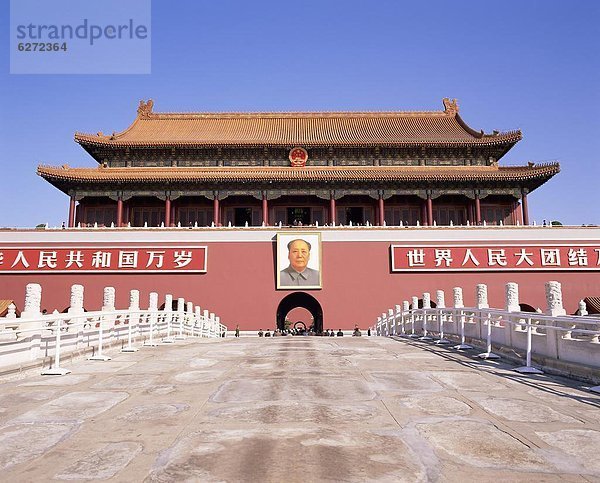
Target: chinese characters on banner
[
  {"x": 495, "y": 258},
  {"x": 104, "y": 259}
]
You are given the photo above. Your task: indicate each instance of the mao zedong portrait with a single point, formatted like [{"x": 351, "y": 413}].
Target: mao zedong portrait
[{"x": 298, "y": 273}]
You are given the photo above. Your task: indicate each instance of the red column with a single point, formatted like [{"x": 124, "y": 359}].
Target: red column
[
  {"x": 477, "y": 210},
  {"x": 429, "y": 210},
  {"x": 265, "y": 209},
  {"x": 381, "y": 211},
  {"x": 332, "y": 210},
  {"x": 216, "y": 214},
  {"x": 167, "y": 211},
  {"x": 119, "y": 211},
  {"x": 470, "y": 216},
  {"x": 424, "y": 213},
  {"x": 525, "y": 207},
  {"x": 72, "y": 212}
]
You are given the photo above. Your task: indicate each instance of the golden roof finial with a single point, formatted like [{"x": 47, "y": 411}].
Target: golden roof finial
[
  {"x": 450, "y": 106},
  {"x": 145, "y": 108}
]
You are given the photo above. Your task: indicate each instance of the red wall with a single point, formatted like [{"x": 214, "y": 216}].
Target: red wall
[{"x": 357, "y": 285}]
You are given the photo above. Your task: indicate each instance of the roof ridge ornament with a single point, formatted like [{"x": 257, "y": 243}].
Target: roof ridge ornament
[
  {"x": 145, "y": 108},
  {"x": 450, "y": 106}
]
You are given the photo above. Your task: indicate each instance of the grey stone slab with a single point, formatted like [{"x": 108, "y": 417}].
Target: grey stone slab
[
  {"x": 197, "y": 377},
  {"x": 582, "y": 445},
  {"x": 154, "y": 412},
  {"x": 104, "y": 367},
  {"x": 312, "y": 455},
  {"x": 522, "y": 410},
  {"x": 103, "y": 463},
  {"x": 68, "y": 380},
  {"x": 469, "y": 381},
  {"x": 23, "y": 442},
  {"x": 479, "y": 443},
  {"x": 197, "y": 362},
  {"x": 74, "y": 406},
  {"x": 161, "y": 389},
  {"x": 437, "y": 406},
  {"x": 296, "y": 389},
  {"x": 126, "y": 381},
  {"x": 298, "y": 412},
  {"x": 403, "y": 382}
]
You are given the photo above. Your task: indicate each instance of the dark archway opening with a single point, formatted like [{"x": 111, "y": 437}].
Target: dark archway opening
[
  {"x": 300, "y": 299},
  {"x": 527, "y": 308}
]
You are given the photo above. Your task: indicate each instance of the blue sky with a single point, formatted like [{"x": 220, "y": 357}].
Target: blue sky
[{"x": 532, "y": 65}]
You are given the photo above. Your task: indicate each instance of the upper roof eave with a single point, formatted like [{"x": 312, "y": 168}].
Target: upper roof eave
[
  {"x": 312, "y": 173},
  {"x": 311, "y": 129}
]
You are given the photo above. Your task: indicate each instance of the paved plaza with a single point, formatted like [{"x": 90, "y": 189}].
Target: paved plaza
[{"x": 297, "y": 409}]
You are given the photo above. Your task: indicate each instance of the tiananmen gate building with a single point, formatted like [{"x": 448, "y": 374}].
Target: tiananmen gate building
[{"x": 383, "y": 205}]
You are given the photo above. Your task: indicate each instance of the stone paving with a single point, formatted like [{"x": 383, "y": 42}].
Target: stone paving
[{"x": 297, "y": 409}]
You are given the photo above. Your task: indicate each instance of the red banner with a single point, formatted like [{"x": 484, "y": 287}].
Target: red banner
[
  {"x": 494, "y": 258},
  {"x": 103, "y": 259}
]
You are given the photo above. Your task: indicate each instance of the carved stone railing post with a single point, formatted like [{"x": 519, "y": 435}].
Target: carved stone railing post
[
  {"x": 33, "y": 301},
  {"x": 384, "y": 324},
  {"x": 397, "y": 318},
  {"x": 76, "y": 308},
  {"x": 134, "y": 306},
  {"x": 198, "y": 314},
  {"x": 458, "y": 297},
  {"x": 481, "y": 296},
  {"x": 76, "y": 305},
  {"x": 414, "y": 303},
  {"x": 554, "y": 300},
  {"x": 390, "y": 322},
  {"x": 211, "y": 323},
  {"x": 180, "y": 316},
  {"x": 457, "y": 294},
  {"x": 108, "y": 299},
  {"x": 554, "y": 303},
  {"x": 133, "y": 319},
  {"x": 440, "y": 300},
  {"x": 205, "y": 323},
  {"x": 152, "y": 319},
  {"x": 512, "y": 305},
  {"x": 481, "y": 302},
  {"x": 405, "y": 316},
  {"x": 153, "y": 302},
  {"x": 108, "y": 305},
  {"x": 379, "y": 326},
  {"x": 190, "y": 315},
  {"x": 440, "y": 303},
  {"x": 512, "y": 297},
  {"x": 426, "y": 306},
  {"x": 169, "y": 318},
  {"x": 134, "y": 300}
]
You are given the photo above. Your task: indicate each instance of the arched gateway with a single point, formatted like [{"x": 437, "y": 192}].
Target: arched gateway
[{"x": 300, "y": 299}]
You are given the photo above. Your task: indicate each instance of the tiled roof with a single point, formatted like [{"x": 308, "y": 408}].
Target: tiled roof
[
  {"x": 313, "y": 173},
  {"x": 308, "y": 129}
]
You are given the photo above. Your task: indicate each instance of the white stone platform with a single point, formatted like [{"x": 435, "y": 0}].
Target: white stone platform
[{"x": 297, "y": 409}]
